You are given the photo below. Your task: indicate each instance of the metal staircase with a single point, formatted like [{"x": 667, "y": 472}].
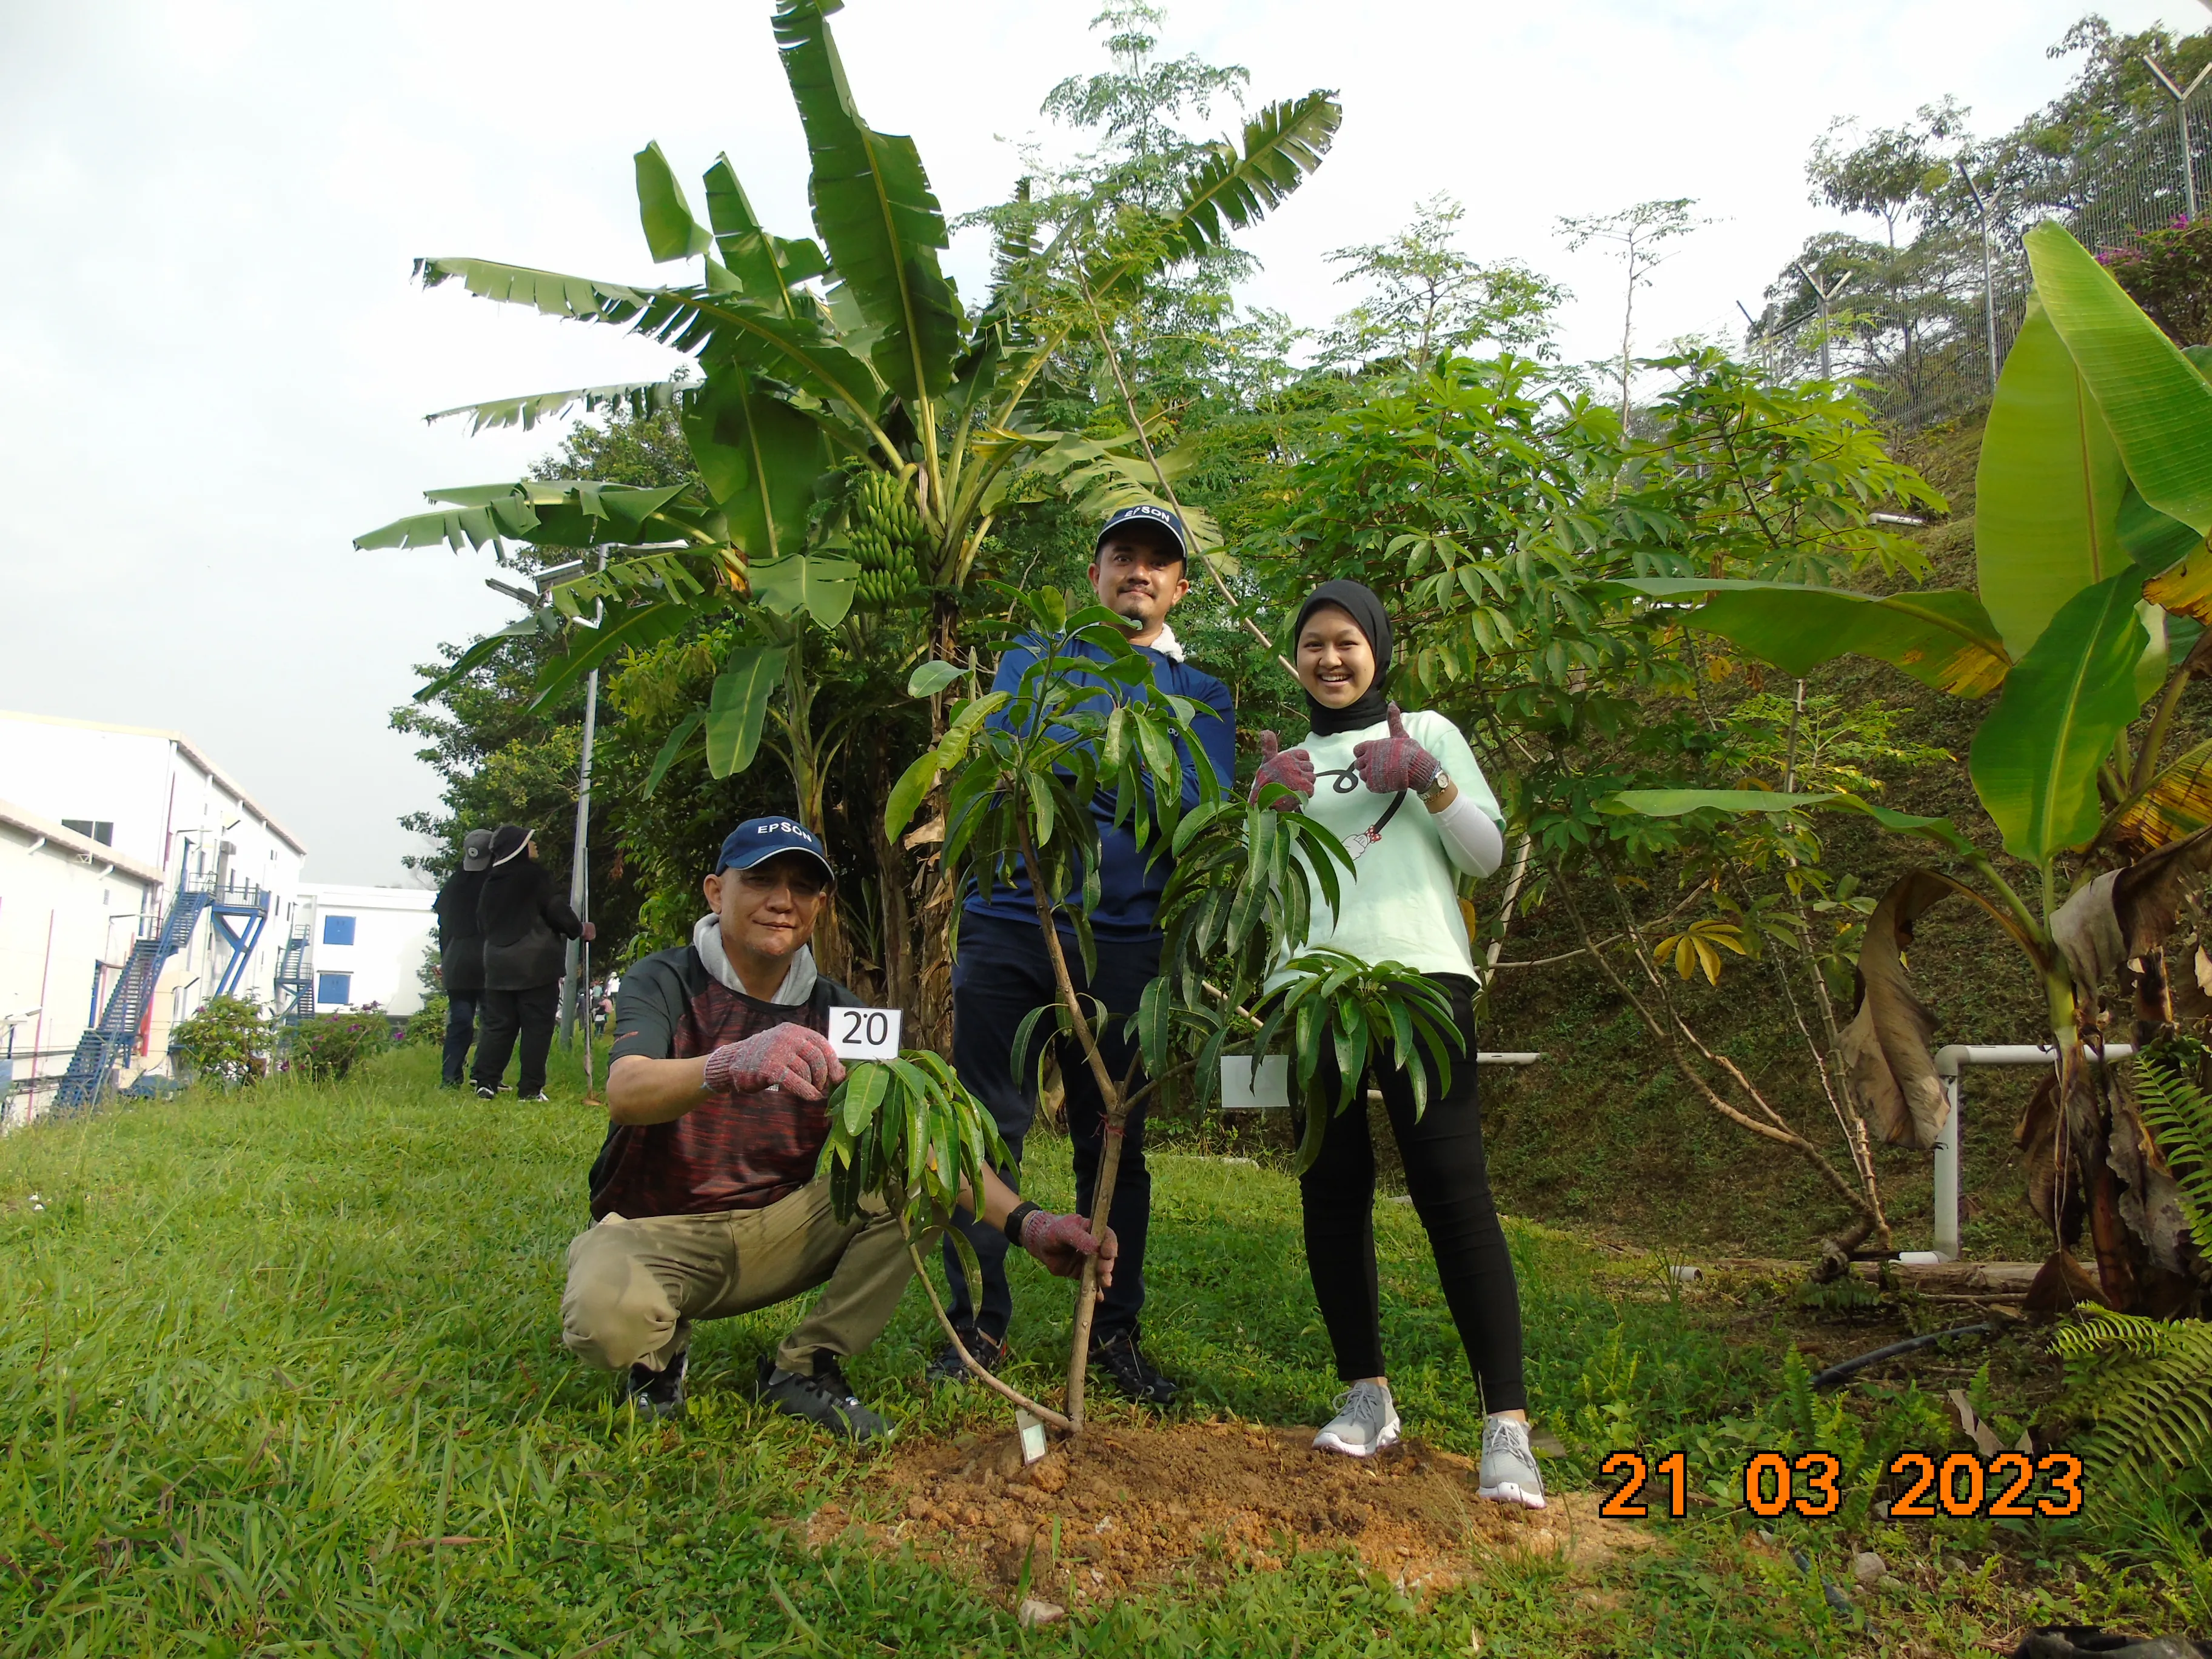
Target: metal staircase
[
  {"x": 295, "y": 975},
  {"x": 91, "y": 1068}
]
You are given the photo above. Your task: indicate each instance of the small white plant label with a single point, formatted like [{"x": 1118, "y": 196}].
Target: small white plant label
[
  {"x": 865, "y": 1033},
  {"x": 1034, "y": 1446}
]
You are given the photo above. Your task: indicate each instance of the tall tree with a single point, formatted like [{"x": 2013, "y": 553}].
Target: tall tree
[
  {"x": 1638, "y": 236},
  {"x": 1426, "y": 299}
]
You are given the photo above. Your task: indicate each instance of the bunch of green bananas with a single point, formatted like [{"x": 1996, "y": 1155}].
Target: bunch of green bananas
[{"x": 889, "y": 539}]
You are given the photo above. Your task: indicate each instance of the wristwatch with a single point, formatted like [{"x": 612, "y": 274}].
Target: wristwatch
[{"x": 1443, "y": 782}]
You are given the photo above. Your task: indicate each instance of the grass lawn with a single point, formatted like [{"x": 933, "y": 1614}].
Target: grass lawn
[{"x": 282, "y": 1374}]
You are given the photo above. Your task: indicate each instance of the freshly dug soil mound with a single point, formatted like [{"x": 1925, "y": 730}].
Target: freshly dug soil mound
[{"x": 1133, "y": 1503}]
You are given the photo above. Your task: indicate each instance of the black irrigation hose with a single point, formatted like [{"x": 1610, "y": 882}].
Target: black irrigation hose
[{"x": 1849, "y": 1368}]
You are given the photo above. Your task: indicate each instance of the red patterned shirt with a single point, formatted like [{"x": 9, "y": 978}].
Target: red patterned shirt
[{"x": 732, "y": 1151}]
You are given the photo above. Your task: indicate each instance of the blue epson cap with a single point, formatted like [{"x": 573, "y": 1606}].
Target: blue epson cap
[
  {"x": 758, "y": 840},
  {"x": 1158, "y": 519}
]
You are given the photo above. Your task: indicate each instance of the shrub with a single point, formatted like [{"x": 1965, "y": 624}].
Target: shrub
[
  {"x": 328, "y": 1048},
  {"x": 2168, "y": 273},
  {"x": 226, "y": 1042},
  {"x": 425, "y": 1026}
]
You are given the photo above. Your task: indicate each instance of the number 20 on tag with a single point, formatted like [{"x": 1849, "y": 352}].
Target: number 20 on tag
[{"x": 865, "y": 1033}]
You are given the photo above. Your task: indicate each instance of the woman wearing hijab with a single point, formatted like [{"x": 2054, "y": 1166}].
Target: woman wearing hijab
[
  {"x": 524, "y": 923},
  {"x": 1404, "y": 793}
]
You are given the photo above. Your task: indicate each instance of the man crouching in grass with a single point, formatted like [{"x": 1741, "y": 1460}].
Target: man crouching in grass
[{"x": 705, "y": 1203}]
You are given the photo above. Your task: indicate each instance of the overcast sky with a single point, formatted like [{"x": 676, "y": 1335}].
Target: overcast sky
[{"x": 215, "y": 367}]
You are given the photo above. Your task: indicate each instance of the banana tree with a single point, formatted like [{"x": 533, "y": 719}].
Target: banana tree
[
  {"x": 2095, "y": 502},
  {"x": 855, "y": 428},
  {"x": 845, "y": 411}
]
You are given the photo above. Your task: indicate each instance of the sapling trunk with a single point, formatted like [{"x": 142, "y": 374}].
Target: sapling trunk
[
  {"x": 1116, "y": 1113},
  {"x": 996, "y": 1385}
]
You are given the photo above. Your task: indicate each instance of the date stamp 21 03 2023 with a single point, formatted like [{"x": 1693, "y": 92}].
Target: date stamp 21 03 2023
[{"x": 1963, "y": 1485}]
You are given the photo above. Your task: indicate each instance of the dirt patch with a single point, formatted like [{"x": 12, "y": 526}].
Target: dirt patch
[{"x": 1132, "y": 1504}]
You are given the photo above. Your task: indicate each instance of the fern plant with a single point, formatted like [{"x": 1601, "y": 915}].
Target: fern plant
[
  {"x": 2148, "y": 1383},
  {"x": 2151, "y": 1382}
]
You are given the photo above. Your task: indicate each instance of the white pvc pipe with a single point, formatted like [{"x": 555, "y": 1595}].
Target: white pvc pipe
[{"x": 1949, "y": 1060}]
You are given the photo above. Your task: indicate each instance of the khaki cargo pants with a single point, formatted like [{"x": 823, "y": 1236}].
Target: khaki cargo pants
[{"x": 635, "y": 1287}]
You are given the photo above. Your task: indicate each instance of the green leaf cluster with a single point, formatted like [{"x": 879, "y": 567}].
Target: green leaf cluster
[
  {"x": 1023, "y": 766},
  {"x": 906, "y": 1131}
]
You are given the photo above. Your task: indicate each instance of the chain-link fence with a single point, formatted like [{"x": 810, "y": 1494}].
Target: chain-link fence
[{"x": 1927, "y": 327}]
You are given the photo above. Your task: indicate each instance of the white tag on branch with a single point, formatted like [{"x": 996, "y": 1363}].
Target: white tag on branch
[
  {"x": 1033, "y": 1445},
  {"x": 865, "y": 1033}
]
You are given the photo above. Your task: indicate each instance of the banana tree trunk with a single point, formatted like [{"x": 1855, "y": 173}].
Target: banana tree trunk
[{"x": 2088, "y": 1134}]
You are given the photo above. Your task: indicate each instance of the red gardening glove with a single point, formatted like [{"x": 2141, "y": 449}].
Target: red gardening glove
[
  {"x": 795, "y": 1057},
  {"x": 1386, "y": 765},
  {"x": 1061, "y": 1241},
  {"x": 1292, "y": 767}
]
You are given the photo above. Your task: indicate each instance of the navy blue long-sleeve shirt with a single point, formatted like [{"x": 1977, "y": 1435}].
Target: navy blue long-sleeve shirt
[{"x": 1130, "y": 880}]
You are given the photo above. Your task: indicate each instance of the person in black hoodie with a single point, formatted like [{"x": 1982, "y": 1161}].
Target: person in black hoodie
[
  {"x": 460, "y": 951},
  {"x": 523, "y": 922}
]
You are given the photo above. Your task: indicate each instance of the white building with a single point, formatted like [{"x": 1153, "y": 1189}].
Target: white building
[
  {"x": 71, "y": 909},
  {"x": 223, "y": 869},
  {"x": 369, "y": 944}
]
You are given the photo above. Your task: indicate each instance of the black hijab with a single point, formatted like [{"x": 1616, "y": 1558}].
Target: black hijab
[{"x": 1360, "y": 603}]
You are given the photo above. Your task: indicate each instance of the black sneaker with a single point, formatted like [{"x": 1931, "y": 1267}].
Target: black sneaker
[
  {"x": 541, "y": 1098},
  {"x": 989, "y": 1352},
  {"x": 483, "y": 1092},
  {"x": 824, "y": 1398},
  {"x": 1130, "y": 1373},
  {"x": 658, "y": 1394}
]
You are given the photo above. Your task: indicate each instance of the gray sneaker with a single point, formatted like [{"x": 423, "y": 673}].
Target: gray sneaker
[
  {"x": 1508, "y": 1467},
  {"x": 1365, "y": 1423}
]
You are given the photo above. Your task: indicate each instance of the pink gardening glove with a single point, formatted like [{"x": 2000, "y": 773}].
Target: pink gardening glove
[
  {"x": 1386, "y": 765},
  {"x": 1292, "y": 767},
  {"x": 793, "y": 1057},
  {"x": 1061, "y": 1241}
]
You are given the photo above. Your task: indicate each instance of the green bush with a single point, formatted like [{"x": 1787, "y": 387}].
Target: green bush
[
  {"x": 328, "y": 1048},
  {"x": 226, "y": 1042},
  {"x": 2168, "y": 273},
  {"x": 425, "y": 1026}
]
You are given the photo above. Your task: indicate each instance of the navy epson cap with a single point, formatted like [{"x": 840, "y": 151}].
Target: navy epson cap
[
  {"x": 757, "y": 840},
  {"x": 1158, "y": 519}
]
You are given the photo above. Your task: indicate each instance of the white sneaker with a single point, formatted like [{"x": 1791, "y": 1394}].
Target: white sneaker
[
  {"x": 1509, "y": 1466},
  {"x": 1365, "y": 1423}
]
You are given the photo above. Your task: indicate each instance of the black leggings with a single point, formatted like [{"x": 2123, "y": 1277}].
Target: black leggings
[
  {"x": 1449, "y": 1181},
  {"x": 507, "y": 1014}
]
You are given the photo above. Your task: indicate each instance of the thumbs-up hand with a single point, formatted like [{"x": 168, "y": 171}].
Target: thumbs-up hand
[
  {"x": 1388, "y": 764},
  {"x": 1292, "y": 768}
]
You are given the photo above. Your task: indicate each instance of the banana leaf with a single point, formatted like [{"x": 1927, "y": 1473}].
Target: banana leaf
[
  {"x": 2049, "y": 488},
  {"x": 2034, "y": 759},
  {"x": 878, "y": 217},
  {"x": 1943, "y": 637}
]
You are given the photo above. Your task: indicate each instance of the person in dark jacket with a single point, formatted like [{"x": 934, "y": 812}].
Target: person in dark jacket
[
  {"x": 1139, "y": 571},
  {"x": 460, "y": 951},
  {"x": 523, "y": 922}
]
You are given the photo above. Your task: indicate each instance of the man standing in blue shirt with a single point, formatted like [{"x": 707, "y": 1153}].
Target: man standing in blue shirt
[{"x": 1140, "y": 573}]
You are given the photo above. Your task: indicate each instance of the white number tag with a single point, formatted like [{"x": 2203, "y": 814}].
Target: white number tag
[{"x": 865, "y": 1033}]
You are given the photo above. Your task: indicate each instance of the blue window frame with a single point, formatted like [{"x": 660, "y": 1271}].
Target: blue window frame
[
  {"x": 338, "y": 930},
  {"x": 333, "y": 987}
]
